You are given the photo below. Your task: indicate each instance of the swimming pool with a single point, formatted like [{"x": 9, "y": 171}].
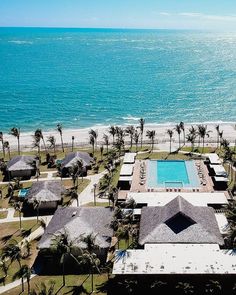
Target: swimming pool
[
  {"x": 172, "y": 173},
  {"x": 23, "y": 192}
]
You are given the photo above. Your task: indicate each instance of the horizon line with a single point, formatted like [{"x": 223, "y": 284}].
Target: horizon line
[{"x": 107, "y": 28}]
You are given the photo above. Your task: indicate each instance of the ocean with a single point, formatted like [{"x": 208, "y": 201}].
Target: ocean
[{"x": 91, "y": 77}]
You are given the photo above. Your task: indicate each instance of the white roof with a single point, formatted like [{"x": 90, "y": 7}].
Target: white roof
[
  {"x": 214, "y": 158},
  {"x": 221, "y": 178},
  {"x": 129, "y": 158},
  {"x": 222, "y": 222},
  {"x": 218, "y": 170},
  {"x": 125, "y": 178},
  {"x": 126, "y": 170},
  {"x": 178, "y": 259},
  {"x": 162, "y": 198}
]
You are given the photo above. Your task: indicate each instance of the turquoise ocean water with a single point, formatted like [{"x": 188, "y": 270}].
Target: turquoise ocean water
[{"x": 87, "y": 77}]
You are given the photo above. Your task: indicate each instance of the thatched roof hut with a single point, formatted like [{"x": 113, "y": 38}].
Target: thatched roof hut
[
  {"x": 179, "y": 222},
  {"x": 72, "y": 158},
  {"x": 77, "y": 222},
  {"x": 45, "y": 191}
]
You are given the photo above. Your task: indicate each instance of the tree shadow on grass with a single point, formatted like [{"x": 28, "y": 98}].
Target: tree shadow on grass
[
  {"x": 6, "y": 238},
  {"x": 77, "y": 290}
]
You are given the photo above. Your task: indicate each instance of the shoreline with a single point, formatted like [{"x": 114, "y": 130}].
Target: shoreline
[{"x": 82, "y": 137}]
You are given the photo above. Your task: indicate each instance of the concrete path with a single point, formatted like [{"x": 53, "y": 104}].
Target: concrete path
[
  {"x": 87, "y": 195},
  {"x": 13, "y": 285}
]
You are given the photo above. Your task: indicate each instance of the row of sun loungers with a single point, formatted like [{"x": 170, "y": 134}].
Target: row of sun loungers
[
  {"x": 142, "y": 174},
  {"x": 201, "y": 173}
]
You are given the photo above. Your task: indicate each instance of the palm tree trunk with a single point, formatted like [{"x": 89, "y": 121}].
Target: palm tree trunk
[
  {"x": 28, "y": 285},
  {"x": 62, "y": 144},
  {"x": 92, "y": 280},
  {"x": 3, "y": 150},
  {"x": 170, "y": 145},
  {"x": 184, "y": 136},
  {"x": 45, "y": 148},
  {"x": 63, "y": 273},
  {"x": 141, "y": 140},
  {"x": 18, "y": 141},
  {"x": 203, "y": 139},
  {"x": 20, "y": 218},
  {"x": 9, "y": 153},
  {"x": 179, "y": 140}
]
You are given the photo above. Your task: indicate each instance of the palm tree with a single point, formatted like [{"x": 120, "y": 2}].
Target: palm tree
[
  {"x": 1, "y": 139},
  {"x": 75, "y": 171},
  {"x": 72, "y": 143},
  {"x": 59, "y": 129},
  {"x": 112, "y": 131},
  {"x": 218, "y": 135},
  {"x": 13, "y": 252},
  {"x": 16, "y": 132},
  {"x": 23, "y": 273},
  {"x": 185, "y": 287},
  {"x": 36, "y": 205},
  {"x": 92, "y": 142},
  {"x": 36, "y": 143},
  {"x": 203, "y": 133},
  {"x": 94, "y": 134},
  {"x": 151, "y": 135},
  {"x": 191, "y": 138},
  {"x": 178, "y": 130},
  {"x": 52, "y": 141},
  {"x": 213, "y": 287},
  {"x": 39, "y": 134},
  {"x": 106, "y": 140},
  {"x": 170, "y": 133},
  {"x": 89, "y": 256},
  {"x": 6, "y": 145},
  {"x": 136, "y": 138},
  {"x": 4, "y": 269},
  {"x": 181, "y": 124},
  {"x": 130, "y": 131},
  {"x": 141, "y": 126},
  {"x": 18, "y": 207},
  {"x": 63, "y": 247},
  {"x": 101, "y": 151}
]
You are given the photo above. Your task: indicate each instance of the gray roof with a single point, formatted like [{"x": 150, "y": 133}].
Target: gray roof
[
  {"x": 21, "y": 163},
  {"x": 179, "y": 222},
  {"x": 77, "y": 221},
  {"x": 72, "y": 158},
  {"x": 45, "y": 191}
]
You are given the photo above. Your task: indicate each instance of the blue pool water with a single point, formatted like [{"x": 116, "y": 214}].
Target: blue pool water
[
  {"x": 169, "y": 173},
  {"x": 23, "y": 192}
]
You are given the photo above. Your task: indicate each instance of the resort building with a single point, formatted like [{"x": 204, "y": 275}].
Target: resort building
[
  {"x": 72, "y": 158},
  {"x": 178, "y": 238},
  {"x": 22, "y": 166},
  {"x": 47, "y": 194},
  {"x": 77, "y": 222},
  {"x": 126, "y": 172}
]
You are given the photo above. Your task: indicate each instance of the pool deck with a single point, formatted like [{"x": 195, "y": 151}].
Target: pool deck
[{"x": 205, "y": 180}]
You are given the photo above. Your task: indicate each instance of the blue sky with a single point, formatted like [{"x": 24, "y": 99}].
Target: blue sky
[{"x": 168, "y": 14}]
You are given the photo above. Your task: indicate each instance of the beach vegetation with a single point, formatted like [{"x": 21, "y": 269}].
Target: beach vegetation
[
  {"x": 151, "y": 134},
  {"x": 16, "y": 132},
  {"x": 59, "y": 129}
]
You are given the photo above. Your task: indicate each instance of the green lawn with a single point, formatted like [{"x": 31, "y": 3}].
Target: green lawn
[
  {"x": 10, "y": 230},
  {"x": 98, "y": 204},
  {"x": 3, "y": 214},
  {"x": 71, "y": 281},
  {"x": 162, "y": 156},
  {"x": 14, "y": 267}
]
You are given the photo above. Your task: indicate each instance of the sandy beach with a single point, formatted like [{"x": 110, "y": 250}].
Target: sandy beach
[{"x": 82, "y": 136}]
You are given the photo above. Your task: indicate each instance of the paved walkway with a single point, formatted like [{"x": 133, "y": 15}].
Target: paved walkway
[{"x": 87, "y": 195}]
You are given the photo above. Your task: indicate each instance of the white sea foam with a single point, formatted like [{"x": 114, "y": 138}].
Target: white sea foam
[
  {"x": 20, "y": 42},
  {"x": 129, "y": 117}
]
